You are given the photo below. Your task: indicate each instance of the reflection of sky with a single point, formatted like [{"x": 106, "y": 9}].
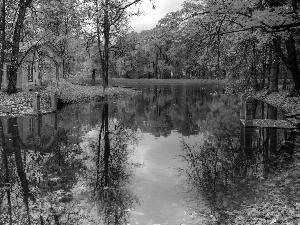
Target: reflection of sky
[{"x": 157, "y": 182}]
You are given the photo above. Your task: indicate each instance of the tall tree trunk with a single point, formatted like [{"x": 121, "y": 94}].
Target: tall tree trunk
[
  {"x": 273, "y": 86},
  {"x": 269, "y": 65},
  {"x": 254, "y": 81},
  {"x": 291, "y": 62},
  {"x": 295, "y": 5},
  {"x": 264, "y": 67},
  {"x": 93, "y": 77},
  {"x": 2, "y": 41},
  {"x": 106, "y": 31},
  {"x": 14, "y": 61}
]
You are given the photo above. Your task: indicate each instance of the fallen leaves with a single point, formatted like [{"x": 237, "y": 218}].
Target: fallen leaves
[
  {"x": 281, "y": 100},
  {"x": 70, "y": 93},
  {"x": 21, "y": 103}
]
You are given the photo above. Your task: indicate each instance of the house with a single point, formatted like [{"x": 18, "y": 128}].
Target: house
[
  {"x": 34, "y": 132},
  {"x": 39, "y": 64}
]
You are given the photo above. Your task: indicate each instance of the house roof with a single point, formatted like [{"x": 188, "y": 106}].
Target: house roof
[{"x": 41, "y": 48}]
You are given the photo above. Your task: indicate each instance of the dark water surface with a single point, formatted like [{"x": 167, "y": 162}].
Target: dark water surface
[{"x": 173, "y": 155}]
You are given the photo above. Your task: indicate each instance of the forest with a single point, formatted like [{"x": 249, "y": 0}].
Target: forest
[{"x": 252, "y": 42}]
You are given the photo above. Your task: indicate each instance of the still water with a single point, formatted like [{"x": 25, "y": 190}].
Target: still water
[{"x": 173, "y": 155}]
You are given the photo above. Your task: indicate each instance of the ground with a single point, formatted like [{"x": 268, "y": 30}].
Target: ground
[
  {"x": 279, "y": 201},
  {"x": 280, "y": 100},
  {"x": 290, "y": 105}
]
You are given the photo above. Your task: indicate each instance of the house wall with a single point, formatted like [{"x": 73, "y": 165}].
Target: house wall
[
  {"x": 19, "y": 77},
  {"x": 52, "y": 64},
  {"x": 33, "y": 130},
  {"x": 4, "y": 78},
  {"x": 48, "y": 66}
]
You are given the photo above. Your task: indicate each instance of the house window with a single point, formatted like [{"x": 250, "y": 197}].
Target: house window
[
  {"x": 30, "y": 73},
  {"x": 57, "y": 71},
  {"x": 31, "y": 126}
]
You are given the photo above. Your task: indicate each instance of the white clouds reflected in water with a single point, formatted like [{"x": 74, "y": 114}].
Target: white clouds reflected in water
[{"x": 151, "y": 17}]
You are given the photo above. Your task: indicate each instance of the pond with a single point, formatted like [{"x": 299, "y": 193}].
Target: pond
[{"x": 177, "y": 154}]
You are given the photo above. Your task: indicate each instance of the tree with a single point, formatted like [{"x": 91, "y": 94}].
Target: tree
[
  {"x": 264, "y": 21},
  {"x": 2, "y": 22},
  {"x": 109, "y": 16},
  {"x": 59, "y": 22},
  {"x": 15, "y": 48}
]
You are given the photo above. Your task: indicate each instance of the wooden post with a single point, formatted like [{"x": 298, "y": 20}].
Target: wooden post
[
  {"x": 54, "y": 102},
  {"x": 37, "y": 103},
  {"x": 249, "y": 109},
  {"x": 243, "y": 108}
]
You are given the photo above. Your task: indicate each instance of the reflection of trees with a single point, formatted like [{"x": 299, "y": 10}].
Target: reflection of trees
[
  {"x": 46, "y": 174},
  {"x": 113, "y": 171},
  {"x": 224, "y": 169},
  {"x": 29, "y": 172},
  {"x": 5, "y": 178},
  {"x": 163, "y": 108}
]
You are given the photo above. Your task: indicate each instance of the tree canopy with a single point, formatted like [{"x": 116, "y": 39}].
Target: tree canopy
[{"x": 254, "y": 42}]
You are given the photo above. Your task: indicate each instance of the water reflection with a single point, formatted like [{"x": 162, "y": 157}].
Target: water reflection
[
  {"x": 114, "y": 171},
  {"x": 162, "y": 109},
  {"x": 224, "y": 168},
  {"x": 116, "y": 163},
  {"x": 50, "y": 175}
]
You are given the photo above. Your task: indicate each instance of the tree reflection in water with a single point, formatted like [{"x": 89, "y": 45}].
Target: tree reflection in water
[
  {"x": 224, "y": 169},
  {"x": 114, "y": 171},
  {"x": 48, "y": 176}
]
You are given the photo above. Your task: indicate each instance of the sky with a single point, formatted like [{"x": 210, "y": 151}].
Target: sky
[{"x": 151, "y": 17}]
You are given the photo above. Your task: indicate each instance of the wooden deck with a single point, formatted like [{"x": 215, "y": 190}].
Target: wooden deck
[{"x": 268, "y": 123}]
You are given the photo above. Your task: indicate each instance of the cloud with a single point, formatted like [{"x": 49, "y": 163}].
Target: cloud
[{"x": 148, "y": 21}]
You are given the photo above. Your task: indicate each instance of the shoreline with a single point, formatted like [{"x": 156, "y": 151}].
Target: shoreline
[
  {"x": 69, "y": 92},
  {"x": 124, "y": 81},
  {"x": 21, "y": 104}
]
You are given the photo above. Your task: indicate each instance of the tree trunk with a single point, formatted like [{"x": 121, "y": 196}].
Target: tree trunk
[
  {"x": 273, "y": 86},
  {"x": 14, "y": 61},
  {"x": 2, "y": 42},
  {"x": 264, "y": 68},
  {"x": 269, "y": 66},
  {"x": 291, "y": 63},
  {"x": 106, "y": 31},
  {"x": 295, "y": 5},
  {"x": 254, "y": 81},
  {"x": 93, "y": 77}
]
